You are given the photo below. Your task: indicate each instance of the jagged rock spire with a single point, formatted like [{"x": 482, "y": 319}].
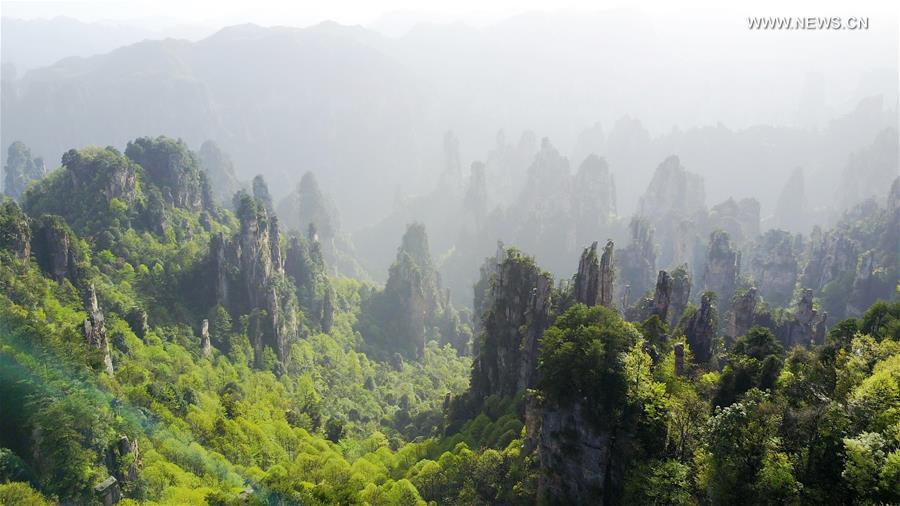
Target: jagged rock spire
[
  {"x": 607, "y": 275},
  {"x": 95, "y": 329},
  {"x": 205, "y": 344},
  {"x": 662, "y": 297},
  {"x": 587, "y": 281},
  {"x": 723, "y": 265},
  {"x": 700, "y": 329}
]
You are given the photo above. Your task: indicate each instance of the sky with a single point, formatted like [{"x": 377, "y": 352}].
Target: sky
[{"x": 394, "y": 15}]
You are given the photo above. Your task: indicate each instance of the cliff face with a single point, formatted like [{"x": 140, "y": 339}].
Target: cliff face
[
  {"x": 575, "y": 455},
  {"x": 831, "y": 255},
  {"x": 594, "y": 281},
  {"x": 700, "y": 328},
  {"x": 305, "y": 264},
  {"x": 174, "y": 169},
  {"x": 249, "y": 279},
  {"x": 773, "y": 266},
  {"x": 55, "y": 248},
  {"x": 806, "y": 327},
  {"x": 517, "y": 313},
  {"x": 681, "y": 294}
]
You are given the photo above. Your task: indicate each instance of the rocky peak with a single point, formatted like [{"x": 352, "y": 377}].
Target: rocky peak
[
  {"x": 249, "y": 275},
  {"x": 739, "y": 218},
  {"x": 413, "y": 304},
  {"x": 101, "y": 170},
  {"x": 662, "y": 297},
  {"x": 261, "y": 193},
  {"x": 791, "y": 208},
  {"x": 20, "y": 170},
  {"x": 219, "y": 170},
  {"x": 700, "y": 328},
  {"x": 807, "y": 326},
  {"x": 773, "y": 266},
  {"x": 673, "y": 191},
  {"x": 723, "y": 265},
  {"x": 593, "y": 198},
  {"x": 516, "y": 315},
  {"x": 205, "y": 343},
  {"x": 831, "y": 254},
  {"x": 174, "y": 169},
  {"x": 674, "y": 203},
  {"x": 681, "y": 294},
  {"x": 587, "y": 280},
  {"x": 745, "y": 313},
  {"x": 637, "y": 263},
  {"x": 306, "y": 205},
  {"x": 95, "y": 329},
  {"x": 607, "y": 275}
]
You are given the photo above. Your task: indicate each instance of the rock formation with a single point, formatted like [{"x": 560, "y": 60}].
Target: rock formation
[
  {"x": 723, "y": 265},
  {"x": 174, "y": 169},
  {"x": 205, "y": 344},
  {"x": 328, "y": 309},
  {"x": 658, "y": 304},
  {"x": 865, "y": 284},
  {"x": 95, "y": 329},
  {"x": 674, "y": 196},
  {"x": 745, "y": 313},
  {"x": 700, "y": 328},
  {"x": 607, "y": 275},
  {"x": 681, "y": 294},
  {"x": 138, "y": 321},
  {"x": 593, "y": 199},
  {"x": 413, "y": 303},
  {"x": 678, "y": 351},
  {"x": 773, "y": 266},
  {"x": 637, "y": 263},
  {"x": 249, "y": 275},
  {"x": 791, "y": 211},
  {"x": 20, "y": 170},
  {"x": 807, "y": 326},
  {"x": 55, "y": 248},
  {"x": 739, "y": 218},
  {"x": 220, "y": 171},
  {"x": 516, "y": 316},
  {"x": 587, "y": 281},
  {"x": 662, "y": 296},
  {"x": 575, "y": 456},
  {"x": 831, "y": 255}
]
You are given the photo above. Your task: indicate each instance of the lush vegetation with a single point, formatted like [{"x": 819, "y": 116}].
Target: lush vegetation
[{"x": 354, "y": 414}]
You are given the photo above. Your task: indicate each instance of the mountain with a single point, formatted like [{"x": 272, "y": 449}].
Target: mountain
[
  {"x": 283, "y": 100},
  {"x": 32, "y": 43},
  {"x": 352, "y": 105}
]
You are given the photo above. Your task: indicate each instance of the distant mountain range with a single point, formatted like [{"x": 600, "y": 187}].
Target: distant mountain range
[{"x": 367, "y": 113}]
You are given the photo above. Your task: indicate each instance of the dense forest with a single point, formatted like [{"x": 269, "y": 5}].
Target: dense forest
[{"x": 170, "y": 335}]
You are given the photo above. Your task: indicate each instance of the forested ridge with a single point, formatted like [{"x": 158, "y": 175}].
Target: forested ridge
[{"x": 169, "y": 335}]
